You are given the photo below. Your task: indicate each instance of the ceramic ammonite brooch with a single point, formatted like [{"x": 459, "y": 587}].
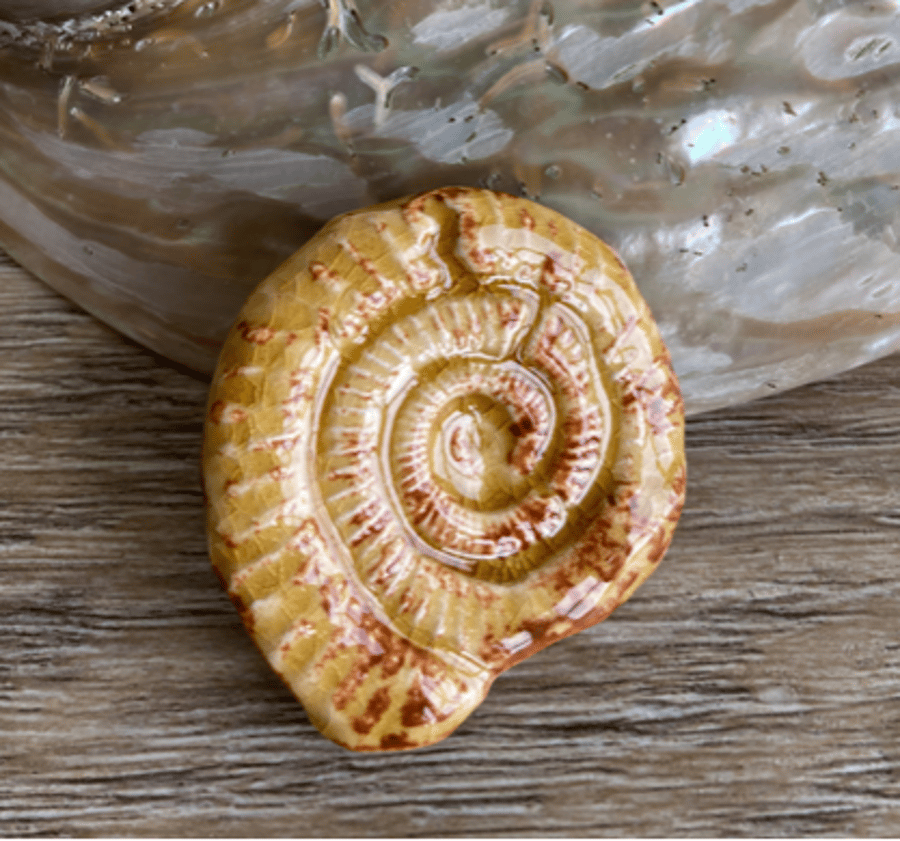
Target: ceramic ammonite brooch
[{"x": 442, "y": 436}]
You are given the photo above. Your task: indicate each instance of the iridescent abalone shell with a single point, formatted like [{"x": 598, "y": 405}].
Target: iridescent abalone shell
[{"x": 158, "y": 158}]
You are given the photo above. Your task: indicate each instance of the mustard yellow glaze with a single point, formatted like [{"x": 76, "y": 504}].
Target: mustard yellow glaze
[{"x": 441, "y": 436}]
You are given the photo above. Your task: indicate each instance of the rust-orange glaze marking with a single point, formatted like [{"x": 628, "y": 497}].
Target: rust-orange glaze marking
[{"x": 444, "y": 435}]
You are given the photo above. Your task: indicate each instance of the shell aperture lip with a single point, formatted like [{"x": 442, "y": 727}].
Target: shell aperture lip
[{"x": 442, "y": 436}]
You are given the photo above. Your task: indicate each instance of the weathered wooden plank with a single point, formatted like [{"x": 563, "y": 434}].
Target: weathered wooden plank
[{"x": 752, "y": 686}]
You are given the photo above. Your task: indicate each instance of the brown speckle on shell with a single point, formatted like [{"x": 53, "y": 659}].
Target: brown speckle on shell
[{"x": 444, "y": 434}]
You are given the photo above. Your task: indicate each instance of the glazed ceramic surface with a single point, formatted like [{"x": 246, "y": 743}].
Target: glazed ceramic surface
[
  {"x": 442, "y": 436},
  {"x": 158, "y": 159}
]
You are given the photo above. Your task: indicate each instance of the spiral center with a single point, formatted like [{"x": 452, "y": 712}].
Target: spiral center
[
  {"x": 472, "y": 452},
  {"x": 476, "y": 430}
]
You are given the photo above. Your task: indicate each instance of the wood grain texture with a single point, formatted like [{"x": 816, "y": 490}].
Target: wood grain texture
[{"x": 751, "y": 687}]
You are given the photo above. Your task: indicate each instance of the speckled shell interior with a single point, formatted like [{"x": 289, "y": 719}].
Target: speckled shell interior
[{"x": 442, "y": 436}]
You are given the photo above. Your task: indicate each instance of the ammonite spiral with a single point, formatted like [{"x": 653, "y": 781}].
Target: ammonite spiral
[{"x": 442, "y": 436}]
